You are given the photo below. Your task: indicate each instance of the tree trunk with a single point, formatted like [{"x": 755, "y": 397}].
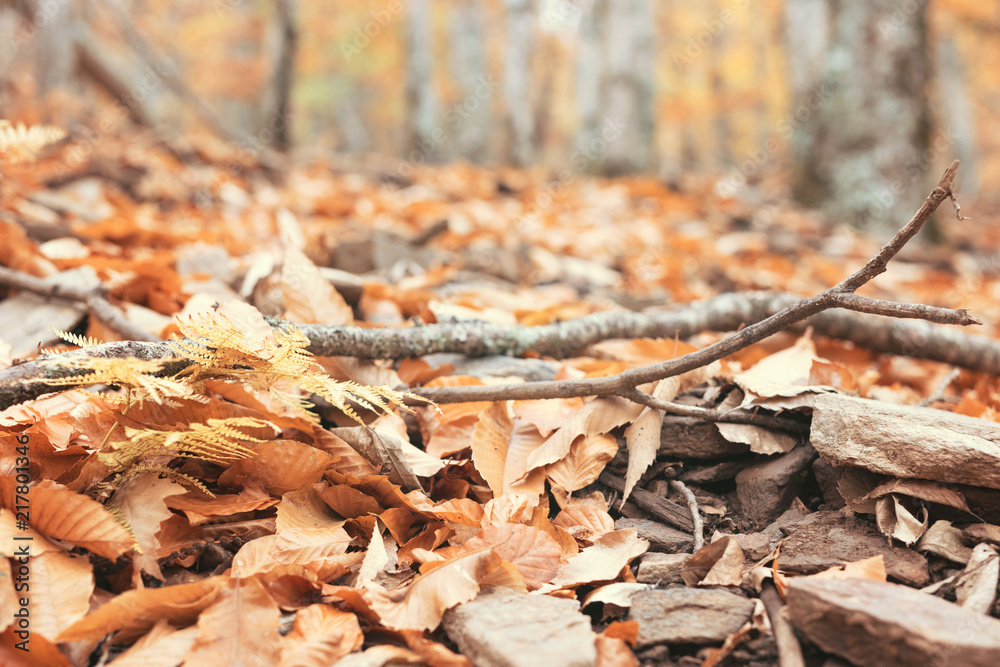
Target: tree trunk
[
  {"x": 958, "y": 119},
  {"x": 277, "y": 118},
  {"x": 862, "y": 135},
  {"x": 469, "y": 119},
  {"x": 517, "y": 80},
  {"x": 425, "y": 136},
  {"x": 618, "y": 128}
]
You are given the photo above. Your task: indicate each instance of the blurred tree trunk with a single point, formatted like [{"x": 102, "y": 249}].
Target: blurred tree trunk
[
  {"x": 277, "y": 118},
  {"x": 469, "y": 118},
  {"x": 55, "y": 44},
  {"x": 957, "y": 115},
  {"x": 861, "y": 136},
  {"x": 420, "y": 96},
  {"x": 517, "y": 80},
  {"x": 618, "y": 121}
]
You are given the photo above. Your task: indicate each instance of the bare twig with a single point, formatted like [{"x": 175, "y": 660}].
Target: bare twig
[
  {"x": 913, "y": 338},
  {"x": 663, "y": 509},
  {"x": 840, "y": 295},
  {"x": 96, "y": 303},
  {"x": 789, "y": 649},
  {"x": 692, "y": 503}
]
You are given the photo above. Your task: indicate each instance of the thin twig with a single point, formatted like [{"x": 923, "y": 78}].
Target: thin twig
[
  {"x": 692, "y": 503},
  {"x": 94, "y": 299},
  {"x": 789, "y": 649},
  {"x": 941, "y": 388},
  {"x": 840, "y": 295}
]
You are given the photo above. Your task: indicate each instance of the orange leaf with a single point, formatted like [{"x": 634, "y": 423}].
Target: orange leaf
[
  {"x": 421, "y": 605},
  {"x": 281, "y": 465},
  {"x": 60, "y": 513},
  {"x": 530, "y": 550},
  {"x": 587, "y": 457},
  {"x": 240, "y": 628},
  {"x": 135, "y": 612},
  {"x": 141, "y": 503},
  {"x": 321, "y": 636}
]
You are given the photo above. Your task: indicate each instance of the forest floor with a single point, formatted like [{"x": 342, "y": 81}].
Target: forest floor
[{"x": 212, "y": 516}]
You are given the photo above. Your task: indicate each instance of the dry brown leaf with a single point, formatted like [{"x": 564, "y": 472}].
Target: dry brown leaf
[
  {"x": 643, "y": 435},
  {"x": 530, "y": 550},
  {"x": 200, "y": 509},
  {"x": 587, "y": 458},
  {"x": 375, "y": 560},
  {"x": 309, "y": 297},
  {"x": 322, "y": 552},
  {"x": 614, "y": 652},
  {"x": 349, "y": 461},
  {"x": 8, "y": 530},
  {"x": 717, "y": 564},
  {"x": 868, "y": 568},
  {"x": 321, "y": 636},
  {"x": 162, "y": 646},
  {"x": 135, "y": 612},
  {"x": 280, "y": 465},
  {"x": 894, "y": 519},
  {"x": 600, "y": 562},
  {"x": 43, "y": 653},
  {"x": 141, "y": 503},
  {"x": 60, "y": 513},
  {"x": 761, "y": 440},
  {"x": 239, "y": 628},
  {"x": 598, "y": 416},
  {"x": 60, "y": 588},
  {"x": 547, "y": 415},
  {"x": 421, "y": 605},
  {"x": 585, "y": 521},
  {"x": 304, "y": 510},
  {"x": 490, "y": 439},
  {"x": 255, "y": 332}
]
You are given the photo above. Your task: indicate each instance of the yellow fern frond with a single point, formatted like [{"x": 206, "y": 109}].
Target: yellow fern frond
[
  {"x": 75, "y": 339},
  {"x": 219, "y": 441},
  {"x": 20, "y": 141},
  {"x": 137, "y": 375}
]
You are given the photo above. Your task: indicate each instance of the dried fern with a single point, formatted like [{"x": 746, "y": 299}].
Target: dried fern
[
  {"x": 136, "y": 375},
  {"x": 18, "y": 142},
  {"x": 219, "y": 441}
]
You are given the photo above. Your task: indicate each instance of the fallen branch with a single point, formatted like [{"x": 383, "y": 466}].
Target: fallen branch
[
  {"x": 94, "y": 299},
  {"x": 727, "y": 312},
  {"x": 692, "y": 503}
]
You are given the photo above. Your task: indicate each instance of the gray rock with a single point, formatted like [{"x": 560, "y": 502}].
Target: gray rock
[
  {"x": 830, "y": 539},
  {"x": 505, "y": 628},
  {"x": 766, "y": 489},
  {"x": 688, "y": 615},
  {"x": 660, "y": 568},
  {"x": 661, "y": 537},
  {"x": 877, "y": 624}
]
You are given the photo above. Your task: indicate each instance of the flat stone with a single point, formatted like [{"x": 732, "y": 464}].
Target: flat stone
[
  {"x": 758, "y": 545},
  {"x": 689, "y": 438},
  {"x": 661, "y": 537},
  {"x": 506, "y": 628},
  {"x": 831, "y": 538},
  {"x": 683, "y": 615},
  {"x": 660, "y": 568},
  {"x": 878, "y": 624},
  {"x": 766, "y": 489}
]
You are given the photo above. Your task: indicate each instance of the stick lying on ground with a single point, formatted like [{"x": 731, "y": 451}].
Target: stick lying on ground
[{"x": 726, "y": 312}]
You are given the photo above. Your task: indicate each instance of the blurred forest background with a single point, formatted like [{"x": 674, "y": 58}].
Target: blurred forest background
[{"x": 850, "y": 107}]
